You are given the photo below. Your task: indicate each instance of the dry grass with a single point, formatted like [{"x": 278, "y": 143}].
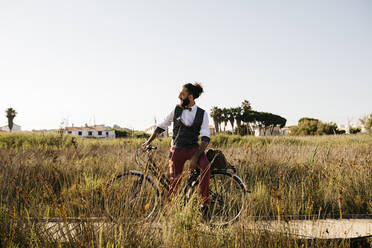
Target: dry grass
[{"x": 53, "y": 176}]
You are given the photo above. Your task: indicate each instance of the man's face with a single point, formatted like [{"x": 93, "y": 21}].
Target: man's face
[{"x": 185, "y": 97}]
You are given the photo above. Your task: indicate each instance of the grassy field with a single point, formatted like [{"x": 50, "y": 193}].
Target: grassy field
[{"x": 58, "y": 176}]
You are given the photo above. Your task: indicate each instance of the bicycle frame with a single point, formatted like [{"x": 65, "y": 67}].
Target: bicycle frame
[
  {"x": 153, "y": 169},
  {"x": 163, "y": 179}
]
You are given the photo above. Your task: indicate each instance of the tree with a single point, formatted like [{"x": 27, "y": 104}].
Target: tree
[
  {"x": 367, "y": 122},
  {"x": 245, "y": 118},
  {"x": 252, "y": 119},
  {"x": 220, "y": 118},
  {"x": 121, "y": 133},
  {"x": 246, "y": 106},
  {"x": 307, "y": 119},
  {"x": 271, "y": 121},
  {"x": 10, "y": 114},
  {"x": 311, "y": 126},
  {"x": 231, "y": 112},
  {"x": 247, "y": 115},
  {"x": 306, "y": 126},
  {"x": 115, "y": 126},
  {"x": 216, "y": 116},
  {"x": 260, "y": 120},
  {"x": 326, "y": 128},
  {"x": 225, "y": 117},
  {"x": 355, "y": 130},
  {"x": 238, "y": 115}
]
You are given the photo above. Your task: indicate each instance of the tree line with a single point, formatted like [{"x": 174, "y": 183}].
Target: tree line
[
  {"x": 243, "y": 119},
  {"x": 312, "y": 126}
]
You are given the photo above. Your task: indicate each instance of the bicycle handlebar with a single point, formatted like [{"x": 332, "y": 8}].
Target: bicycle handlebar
[{"x": 150, "y": 147}]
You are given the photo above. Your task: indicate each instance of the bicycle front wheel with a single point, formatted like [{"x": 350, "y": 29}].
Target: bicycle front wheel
[{"x": 131, "y": 197}]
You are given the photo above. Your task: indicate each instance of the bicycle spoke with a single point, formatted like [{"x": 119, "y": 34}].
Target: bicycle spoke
[
  {"x": 227, "y": 198},
  {"x": 132, "y": 198},
  {"x": 135, "y": 186}
]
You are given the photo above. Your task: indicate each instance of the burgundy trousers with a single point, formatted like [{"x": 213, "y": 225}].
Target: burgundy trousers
[{"x": 177, "y": 159}]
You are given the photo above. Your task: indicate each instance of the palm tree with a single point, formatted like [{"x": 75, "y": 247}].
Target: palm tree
[
  {"x": 10, "y": 114},
  {"x": 220, "y": 118},
  {"x": 246, "y": 106},
  {"x": 225, "y": 117},
  {"x": 215, "y": 117},
  {"x": 246, "y": 115},
  {"x": 238, "y": 117},
  {"x": 231, "y": 117}
]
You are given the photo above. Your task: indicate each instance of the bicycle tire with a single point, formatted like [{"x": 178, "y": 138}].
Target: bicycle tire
[
  {"x": 132, "y": 197},
  {"x": 217, "y": 207}
]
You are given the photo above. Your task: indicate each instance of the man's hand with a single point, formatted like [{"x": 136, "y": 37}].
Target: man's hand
[
  {"x": 152, "y": 137},
  {"x": 146, "y": 143},
  {"x": 195, "y": 158},
  {"x": 193, "y": 163}
]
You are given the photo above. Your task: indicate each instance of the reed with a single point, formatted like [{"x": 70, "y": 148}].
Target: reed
[{"x": 53, "y": 176}]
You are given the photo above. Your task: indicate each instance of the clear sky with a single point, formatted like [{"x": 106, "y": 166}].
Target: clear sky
[{"x": 124, "y": 62}]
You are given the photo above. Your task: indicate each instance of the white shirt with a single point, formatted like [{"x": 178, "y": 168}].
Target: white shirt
[{"x": 187, "y": 118}]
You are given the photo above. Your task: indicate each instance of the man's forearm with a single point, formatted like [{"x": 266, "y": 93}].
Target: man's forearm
[{"x": 154, "y": 135}]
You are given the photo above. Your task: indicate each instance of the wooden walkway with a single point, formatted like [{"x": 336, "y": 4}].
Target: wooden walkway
[{"x": 63, "y": 230}]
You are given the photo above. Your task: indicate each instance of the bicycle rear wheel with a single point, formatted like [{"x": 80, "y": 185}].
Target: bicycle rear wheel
[
  {"x": 131, "y": 197},
  {"x": 227, "y": 194}
]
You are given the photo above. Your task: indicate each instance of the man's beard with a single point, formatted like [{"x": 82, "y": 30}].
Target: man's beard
[{"x": 185, "y": 102}]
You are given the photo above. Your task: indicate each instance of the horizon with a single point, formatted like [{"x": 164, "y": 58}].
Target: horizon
[
  {"x": 351, "y": 123},
  {"x": 123, "y": 63}
]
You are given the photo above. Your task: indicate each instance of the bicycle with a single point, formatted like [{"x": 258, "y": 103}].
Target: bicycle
[{"x": 136, "y": 194}]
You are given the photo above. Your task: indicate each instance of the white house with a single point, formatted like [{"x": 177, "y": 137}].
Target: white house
[
  {"x": 271, "y": 131},
  {"x": 363, "y": 129},
  {"x": 345, "y": 128},
  {"x": 212, "y": 130},
  {"x": 16, "y": 128},
  {"x": 97, "y": 131},
  {"x": 285, "y": 130}
]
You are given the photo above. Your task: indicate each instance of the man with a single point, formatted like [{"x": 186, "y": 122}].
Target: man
[{"x": 189, "y": 121}]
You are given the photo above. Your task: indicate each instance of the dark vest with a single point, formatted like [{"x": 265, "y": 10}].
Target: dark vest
[{"x": 186, "y": 135}]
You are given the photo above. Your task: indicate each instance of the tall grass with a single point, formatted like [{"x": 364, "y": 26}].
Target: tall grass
[{"x": 46, "y": 176}]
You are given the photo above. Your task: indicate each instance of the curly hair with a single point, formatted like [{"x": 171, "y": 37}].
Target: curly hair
[{"x": 194, "y": 89}]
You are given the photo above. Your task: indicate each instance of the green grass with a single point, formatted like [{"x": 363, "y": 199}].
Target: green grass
[{"x": 61, "y": 176}]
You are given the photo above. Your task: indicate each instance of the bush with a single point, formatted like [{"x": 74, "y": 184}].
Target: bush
[
  {"x": 121, "y": 133},
  {"x": 140, "y": 134},
  {"x": 17, "y": 140},
  {"x": 354, "y": 130},
  {"x": 310, "y": 126}
]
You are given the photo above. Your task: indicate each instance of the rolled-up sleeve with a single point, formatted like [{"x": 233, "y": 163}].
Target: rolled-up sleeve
[
  {"x": 204, "y": 129},
  {"x": 166, "y": 123}
]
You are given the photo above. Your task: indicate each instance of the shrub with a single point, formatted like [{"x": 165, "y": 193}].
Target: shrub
[
  {"x": 121, "y": 133},
  {"x": 310, "y": 126},
  {"x": 139, "y": 134},
  {"x": 354, "y": 130}
]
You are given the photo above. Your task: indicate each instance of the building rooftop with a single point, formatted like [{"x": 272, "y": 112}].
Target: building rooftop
[{"x": 89, "y": 128}]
